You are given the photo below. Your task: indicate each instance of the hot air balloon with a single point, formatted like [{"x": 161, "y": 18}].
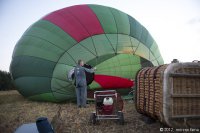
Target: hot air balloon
[{"x": 104, "y": 37}]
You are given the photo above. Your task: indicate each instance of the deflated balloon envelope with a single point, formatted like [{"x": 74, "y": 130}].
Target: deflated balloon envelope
[{"x": 104, "y": 37}]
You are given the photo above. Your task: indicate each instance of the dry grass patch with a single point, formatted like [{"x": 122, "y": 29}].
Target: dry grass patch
[{"x": 15, "y": 110}]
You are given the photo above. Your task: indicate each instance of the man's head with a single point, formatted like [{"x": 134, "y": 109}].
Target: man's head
[{"x": 80, "y": 62}]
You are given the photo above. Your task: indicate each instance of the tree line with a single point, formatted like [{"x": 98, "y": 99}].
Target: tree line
[{"x": 6, "y": 82}]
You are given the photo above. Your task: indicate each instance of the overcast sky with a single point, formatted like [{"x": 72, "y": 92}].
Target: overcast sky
[{"x": 174, "y": 24}]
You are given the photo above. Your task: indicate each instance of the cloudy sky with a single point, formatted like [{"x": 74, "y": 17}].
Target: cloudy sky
[{"x": 174, "y": 24}]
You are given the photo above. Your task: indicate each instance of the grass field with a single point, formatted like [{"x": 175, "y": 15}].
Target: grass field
[{"x": 15, "y": 110}]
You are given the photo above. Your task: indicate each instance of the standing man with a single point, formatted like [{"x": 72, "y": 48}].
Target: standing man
[{"x": 81, "y": 83}]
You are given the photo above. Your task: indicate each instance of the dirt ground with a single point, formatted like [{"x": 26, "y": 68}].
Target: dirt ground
[{"x": 16, "y": 110}]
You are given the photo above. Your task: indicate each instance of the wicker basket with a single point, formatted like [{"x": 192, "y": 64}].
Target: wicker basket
[{"x": 170, "y": 93}]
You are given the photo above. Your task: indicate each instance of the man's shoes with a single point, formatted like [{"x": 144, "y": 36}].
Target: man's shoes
[{"x": 79, "y": 106}]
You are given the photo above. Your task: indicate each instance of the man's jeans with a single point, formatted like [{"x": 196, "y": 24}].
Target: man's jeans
[{"x": 81, "y": 94}]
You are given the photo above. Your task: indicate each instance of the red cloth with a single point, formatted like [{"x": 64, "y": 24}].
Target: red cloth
[
  {"x": 113, "y": 82},
  {"x": 79, "y": 21}
]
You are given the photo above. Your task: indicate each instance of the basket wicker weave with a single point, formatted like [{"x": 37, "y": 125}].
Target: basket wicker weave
[{"x": 170, "y": 93}]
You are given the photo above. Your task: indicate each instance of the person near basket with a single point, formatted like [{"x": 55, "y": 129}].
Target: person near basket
[{"x": 81, "y": 83}]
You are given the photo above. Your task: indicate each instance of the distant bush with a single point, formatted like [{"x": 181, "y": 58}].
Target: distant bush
[{"x": 6, "y": 82}]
